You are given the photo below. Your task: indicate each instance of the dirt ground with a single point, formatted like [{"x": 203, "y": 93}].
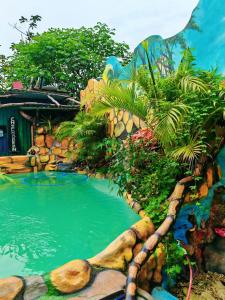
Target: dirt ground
[{"x": 206, "y": 286}]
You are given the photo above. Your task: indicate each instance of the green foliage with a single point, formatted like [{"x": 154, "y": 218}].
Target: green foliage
[
  {"x": 3, "y": 77},
  {"x": 147, "y": 174},
  {"x": 175, "y": 259},
  {"x": 87, "y": 133},
  {"x": 182, "y": 109},
  {"x": 121, "y": 97},
  {"x": 52, "y": 292},
  {"x": 67, "y": 58}
]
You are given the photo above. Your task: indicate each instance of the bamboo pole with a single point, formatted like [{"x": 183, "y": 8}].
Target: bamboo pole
[{"x": 176, "y": 200}]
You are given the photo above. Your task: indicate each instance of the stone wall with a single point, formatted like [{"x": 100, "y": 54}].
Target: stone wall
[
  {"x": 48, "y": 151},
  {"x": 121, "y": 123}
]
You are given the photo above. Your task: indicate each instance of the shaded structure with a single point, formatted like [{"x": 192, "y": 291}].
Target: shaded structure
[{"x": 21, "y": 111}]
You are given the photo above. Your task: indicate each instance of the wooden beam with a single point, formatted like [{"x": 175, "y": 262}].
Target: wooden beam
[
  {"x": 24, "y": 104},
  {"x": 53, "y": 100},
  {"x": 73, "y": 100},
  {"x": 27, "y": 117}
]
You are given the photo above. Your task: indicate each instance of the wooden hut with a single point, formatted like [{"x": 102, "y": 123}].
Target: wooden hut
[{"x": 22, "y": 110}]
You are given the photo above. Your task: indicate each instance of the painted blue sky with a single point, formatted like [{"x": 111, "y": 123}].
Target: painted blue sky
[{"x": 134, "y": 20}]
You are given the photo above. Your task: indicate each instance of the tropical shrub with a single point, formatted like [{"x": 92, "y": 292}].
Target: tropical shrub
[
  {"x": 142, "y": 170},
  {"x": 86, "y": 132}
]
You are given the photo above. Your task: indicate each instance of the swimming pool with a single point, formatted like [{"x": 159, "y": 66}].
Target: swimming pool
[{"x": 48, "y": 219}]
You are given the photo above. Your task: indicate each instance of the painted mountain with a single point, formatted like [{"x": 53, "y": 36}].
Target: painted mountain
[{"x": 204, "y": 34}]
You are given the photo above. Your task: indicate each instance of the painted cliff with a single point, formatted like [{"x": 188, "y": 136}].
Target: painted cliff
[{"x": 204, "y": 34}]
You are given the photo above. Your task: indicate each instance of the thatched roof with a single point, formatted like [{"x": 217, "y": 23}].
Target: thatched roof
[{"x": 38, "y": 99}]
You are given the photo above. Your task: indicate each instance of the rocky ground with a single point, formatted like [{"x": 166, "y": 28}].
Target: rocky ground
[{"x": 206, "y": 286}]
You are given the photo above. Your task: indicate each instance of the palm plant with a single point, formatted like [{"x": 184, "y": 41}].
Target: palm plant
[
  {"x": 171, "y": 106},
  {"x": 85, "y": 132}
]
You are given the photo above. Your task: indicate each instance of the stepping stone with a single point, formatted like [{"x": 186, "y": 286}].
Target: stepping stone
[{"x": 105, "y": 283}]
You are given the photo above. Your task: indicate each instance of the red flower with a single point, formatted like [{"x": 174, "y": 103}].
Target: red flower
[{"x": 145, "y": 137}]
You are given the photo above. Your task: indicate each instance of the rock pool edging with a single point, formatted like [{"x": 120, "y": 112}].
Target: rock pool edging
[
  {"x": 79, "y": 274},
  {"x": 79, "y": 277}
]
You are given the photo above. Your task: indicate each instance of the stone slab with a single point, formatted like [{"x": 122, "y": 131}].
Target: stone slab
[
  {"x": 106, "y": 283},
  {"x": 35, "y": 287}
]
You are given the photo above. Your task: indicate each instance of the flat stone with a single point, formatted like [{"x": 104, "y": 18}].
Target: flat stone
[
  {"x": 72, "y": 276},
  {"x": 10, "y": 288},
  {"x": 5, "y": 160},
  {"x": 35, "y": 287},
  {"x": 99, "y": 176},
  {"x": 105, "y": 284},
  {"x": 52, "y": 159},
  {"x": 19, "y": 159},
  {"x": 63, "y": 154}
]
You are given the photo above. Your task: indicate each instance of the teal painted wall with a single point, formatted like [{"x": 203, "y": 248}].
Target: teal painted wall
[
  {"x": 23, "y": 128},
  {"x": 204, "y": 34}
]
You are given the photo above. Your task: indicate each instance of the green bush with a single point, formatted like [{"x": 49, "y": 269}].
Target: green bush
[{"x": 149, "y": 175}]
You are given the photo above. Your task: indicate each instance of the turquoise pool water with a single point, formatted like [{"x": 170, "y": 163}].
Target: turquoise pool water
[{"x": 48, "y": 219}]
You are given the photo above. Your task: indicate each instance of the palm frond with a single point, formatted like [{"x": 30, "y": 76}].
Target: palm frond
[
  {"x": 189, "y": 152},
  {"x": 168, "y": 120},
  {"x": 84, "y": 125},
  {"x": 121, "y": 98},
  {"x": 193, "y": 84},
  {"x": 186, "y": 64},
  {"x": 222, "y": 94}
]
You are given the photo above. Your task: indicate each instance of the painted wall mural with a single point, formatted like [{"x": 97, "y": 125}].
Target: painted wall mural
[
  {"x": 204, "y": 33},
  {"x": 121, "y": 123}
]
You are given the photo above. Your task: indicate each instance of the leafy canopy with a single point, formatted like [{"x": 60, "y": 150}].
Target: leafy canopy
[{"x": 67, "y": 58}]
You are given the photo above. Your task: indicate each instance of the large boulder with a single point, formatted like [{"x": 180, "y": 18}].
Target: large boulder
[
  {"x": 72, "y": 276},
  {"x": 10, "y": 288}
]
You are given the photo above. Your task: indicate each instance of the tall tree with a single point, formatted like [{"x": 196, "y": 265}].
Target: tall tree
[
  {"x": 67, "y": 58},
  {"x": 26, "y": 26}
]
